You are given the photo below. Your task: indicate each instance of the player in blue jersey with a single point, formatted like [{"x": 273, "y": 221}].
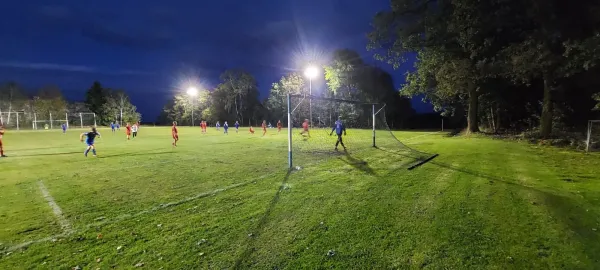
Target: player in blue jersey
[
  {"x": 225, "y": 128},
  {"x": 112, "y": 127},
  {"x": 237, "y": 126},
  {"x": 218, "y": 125},
  {"x": 90, "y": 137},
  {"x": 64, "y": 128},
  {"x": 339, "y": 128}
]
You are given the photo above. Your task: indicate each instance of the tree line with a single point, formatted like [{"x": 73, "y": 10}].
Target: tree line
[
  {"x": 48, "y": 103},
  {"x": 236, "y": 97},
  {"x": 499, "y": 64}
]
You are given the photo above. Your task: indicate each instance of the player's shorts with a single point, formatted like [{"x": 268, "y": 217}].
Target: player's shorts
[
  {"x": 175, "y": 136},
  {"x": 89, "y": 143},
  {"x": 0, "y": 142}
]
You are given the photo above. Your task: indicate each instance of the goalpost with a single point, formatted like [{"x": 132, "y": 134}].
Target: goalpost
[
  {"x": 87, "y": 117},
  {"x": 11, "y": 119},
  {"x": 593, "y": 136},
  {"x": 366, "y": 126}
]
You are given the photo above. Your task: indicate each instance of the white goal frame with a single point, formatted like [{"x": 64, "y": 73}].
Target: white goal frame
[
  {"x": 589, "y": 134},
  {"x": 290, "y": 110},
  {"x": 8, "y": 119},
  {"x": 81, "y": 118}
]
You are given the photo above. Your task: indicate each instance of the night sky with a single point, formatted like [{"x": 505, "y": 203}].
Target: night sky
[{"x": 151, "y": 49}]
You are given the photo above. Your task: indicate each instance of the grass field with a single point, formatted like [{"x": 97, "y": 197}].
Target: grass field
[{"x": 220, "y": 201}]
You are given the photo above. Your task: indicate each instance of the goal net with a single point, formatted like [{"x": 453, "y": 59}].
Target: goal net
[
  {"x": 367, "y": 137},
  {"x": 82, "y": 120},
  {"x": 593, "y": 136}
]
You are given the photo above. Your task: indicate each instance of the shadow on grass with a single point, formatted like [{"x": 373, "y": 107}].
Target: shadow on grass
[
  {"x": 570, "y": 211},
  {"x": 357, "y": 163},
  {"x": 261, "y": 223}
]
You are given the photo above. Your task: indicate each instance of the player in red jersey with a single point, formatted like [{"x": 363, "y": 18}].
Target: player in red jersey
[
  {"x": 278, "y": 126},
  {"x": 1, "y": 134},
  {"x": 203, "y": 126},
  {"x": 264, "y": 127},
  {"x": 128, "y": 131},
  {"x": 251, "y": 130},
  {"x": 305, "y": 128},
  {"x": 174, "y": 133}
]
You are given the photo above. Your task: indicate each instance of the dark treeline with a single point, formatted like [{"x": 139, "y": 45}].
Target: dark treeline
[
  {"x": 48, "y": 103},
  {"x": 502, "y": 64}
]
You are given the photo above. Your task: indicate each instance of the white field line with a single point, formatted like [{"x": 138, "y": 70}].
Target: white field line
[
  {"x": 64, "y": 223},
  {"x": 129, "y": 216}
]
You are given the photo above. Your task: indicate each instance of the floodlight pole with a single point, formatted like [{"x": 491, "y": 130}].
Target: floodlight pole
[
  {"x": 81, "y": 120},
  {"x": 17, "y": 120},
  {"x": 95, "y": 120},
  {"x": 310, "y": 101},
  {"x": 34, "y": 120},
  {"x": 374, "y": 125},
  {"x": 289, "y": 116},
  {"x": 50, "y": 120},
  {"x": 67, "y": 119}
]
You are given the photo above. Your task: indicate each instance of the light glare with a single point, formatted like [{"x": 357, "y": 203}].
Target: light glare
[
  {"x": 192, "y": 91},
  {"x": 311, "y": 72}
]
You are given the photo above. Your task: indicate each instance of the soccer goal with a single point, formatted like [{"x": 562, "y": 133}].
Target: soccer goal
[
  {"x": 85, "y": 119},
  {"x": 12, "y": 119},
  {"x": 365, "y": 124},
  {"x": 592, "y": 142}
]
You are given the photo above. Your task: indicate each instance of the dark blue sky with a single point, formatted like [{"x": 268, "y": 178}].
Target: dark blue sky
[{"x": 148, "y": 48}]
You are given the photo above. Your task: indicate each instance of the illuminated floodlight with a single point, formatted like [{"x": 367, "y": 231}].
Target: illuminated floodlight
[
  {"x": 192, "y": 91},
  {"x": 311, "y": 72}
]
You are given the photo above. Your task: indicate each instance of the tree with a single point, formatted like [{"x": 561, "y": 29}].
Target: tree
[
  {"x": 12, "y": 99},
  {"x": 597, "y": 98},
  {"x": 458, "y": 38},
  {"x": 276, "y": 103},
  {"x": 556, "y": 40},
  {"x": 95, "y": 98},
  {"x": 241, "y": 91},
  {"x": 119, "y": 107},
  {"x": 49, "y": 103},
  {"x": 180, "y": 107}
]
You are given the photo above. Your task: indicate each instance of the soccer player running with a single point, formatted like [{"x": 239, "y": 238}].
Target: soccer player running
[
  {"x": 112, "y": 127},
  {"x": 218, "y": 125},
  {"x": 91, "y": 136},
  {"x": 305, "y": 128},
  {"x": 225, "y": 128},
  {"x": 64, "y": 128},
  {"x": 264, "y": 127},
  {"x": 134, "y": 130},
  {"x": 1, "y": 134},
  {"x": 251, "y": 130},
  {"x": 237, "y": 126},
  {"x": 278, "y": 126},
  {"x": 339, "y": 128},
  {"x": 174, "y": 133},
  {"x": 128, "y": 131}
]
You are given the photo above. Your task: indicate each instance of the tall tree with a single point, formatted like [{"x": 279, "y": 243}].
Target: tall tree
[
  {"x": 242, "y": 89},
  {"x": 459, "y": 38},
  {"x": 12, "y": 99},
  {"x": 276, "y": 103},
  {"x": 556, "y": 39},
  {"x": 119, "y": 108},
  {"x": 95, "y": 98}
]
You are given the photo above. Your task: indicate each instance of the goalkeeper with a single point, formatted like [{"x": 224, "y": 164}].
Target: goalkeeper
[{"x": 339, "y": 128}]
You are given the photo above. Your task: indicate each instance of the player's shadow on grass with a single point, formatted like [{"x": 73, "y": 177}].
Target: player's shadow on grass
[
  {"x": 261, "y": 223},
  {"x": 357, "y": 163}
]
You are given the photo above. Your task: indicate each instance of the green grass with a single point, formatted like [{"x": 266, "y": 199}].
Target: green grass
[{"x": 221, "y": 201}]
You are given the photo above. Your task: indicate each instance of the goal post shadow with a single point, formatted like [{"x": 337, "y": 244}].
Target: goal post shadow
[{"x": 366, "y": 115}]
